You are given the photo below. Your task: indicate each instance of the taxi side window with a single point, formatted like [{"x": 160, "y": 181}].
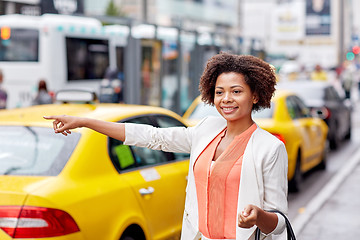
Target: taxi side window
[
  {"x": 130, "y": 157},
  {"x": 291, "y": 108},
  {"x": 304, "y": 111},
  {"x": 297, "y": 109}
]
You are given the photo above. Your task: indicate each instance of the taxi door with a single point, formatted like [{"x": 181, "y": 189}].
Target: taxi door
[
  {"x": 160, "y": 191},
  {"x": 157, "y": 178},
  {"x": 311, "y": 131}
]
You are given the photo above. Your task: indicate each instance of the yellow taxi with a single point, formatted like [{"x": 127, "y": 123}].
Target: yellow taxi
[
  {"x": 87, "y": 185},
  {"x": 289, "y": 119}
]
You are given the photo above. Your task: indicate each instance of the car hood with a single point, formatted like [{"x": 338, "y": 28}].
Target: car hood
[
  {"x": 314, "y": 102},
  {"x": 15, "y": 189}
]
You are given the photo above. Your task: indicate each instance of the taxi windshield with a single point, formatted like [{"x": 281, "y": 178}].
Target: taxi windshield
[{"x": 34, "y": 150}]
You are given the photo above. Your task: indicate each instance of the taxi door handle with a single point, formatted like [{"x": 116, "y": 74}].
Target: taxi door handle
[{"x": 146, "y": 191}]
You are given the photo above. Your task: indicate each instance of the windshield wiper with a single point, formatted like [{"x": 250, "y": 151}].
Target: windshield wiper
[{"x": 10, "y": 170}]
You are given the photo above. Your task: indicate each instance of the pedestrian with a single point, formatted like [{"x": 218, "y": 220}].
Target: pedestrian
[
  {"x": 3, "y": 93},
  {"x": 42, "y": 96},
  {"x": 318, "y": 74},
  {"x": 347, "y": 78},
  {"x": 111, "y": 87},
  {"x": 237, "y": 170}
]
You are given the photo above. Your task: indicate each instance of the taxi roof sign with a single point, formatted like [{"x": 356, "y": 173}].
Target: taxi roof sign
[{"x": 75, "y": 96}]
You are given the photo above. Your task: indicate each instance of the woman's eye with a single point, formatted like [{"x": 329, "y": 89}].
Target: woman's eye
[
  {"x": 236, "y": 91},
  {"x": 218, "y": 92}
]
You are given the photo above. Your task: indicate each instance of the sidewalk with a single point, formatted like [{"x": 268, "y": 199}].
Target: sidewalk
[{"x": 334, "y": 213}]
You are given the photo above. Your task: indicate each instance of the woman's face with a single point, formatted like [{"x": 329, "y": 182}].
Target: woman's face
[{"x": 233, "y": 97}]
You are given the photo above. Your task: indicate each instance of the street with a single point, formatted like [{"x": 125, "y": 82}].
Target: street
[{"x": 314, "y": 181}]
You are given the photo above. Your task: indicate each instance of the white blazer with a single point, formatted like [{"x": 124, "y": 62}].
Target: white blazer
[{"x": 263, "y": 175}]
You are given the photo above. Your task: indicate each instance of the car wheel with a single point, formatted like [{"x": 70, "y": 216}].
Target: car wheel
[
  {"x": 133, "y": 232},
  {"x": 335, "y": 141},
  {"x": 127, "y": 238},
  {"x": 294, "y": 183},
  {"x": 322, "y": 164},
  {"x": 348, "y": 134}
]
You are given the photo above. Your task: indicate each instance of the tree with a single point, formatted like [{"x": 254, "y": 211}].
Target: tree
[{"x": 113, "y": 10}]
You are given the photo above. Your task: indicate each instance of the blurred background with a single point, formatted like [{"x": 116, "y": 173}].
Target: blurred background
[{"x": 156, "y": 49}]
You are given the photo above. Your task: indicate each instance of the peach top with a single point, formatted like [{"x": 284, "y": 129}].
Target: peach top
[{"x": 217, "y": 186}]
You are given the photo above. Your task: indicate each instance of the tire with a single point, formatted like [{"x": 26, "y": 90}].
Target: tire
[
  {"x": 348, "y": 134},
  {"x": 335, "y": 142},
  {"x": 322, "y": 164},
  {"x": 337, "y": 138},
  {"x": 133, "y": 232},
  {"x": 294, "y": 183},
  {"x": 127, "y": 238}
]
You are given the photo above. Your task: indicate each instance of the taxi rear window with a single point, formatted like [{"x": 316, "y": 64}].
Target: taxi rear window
[{"x": 34, "y": 150}]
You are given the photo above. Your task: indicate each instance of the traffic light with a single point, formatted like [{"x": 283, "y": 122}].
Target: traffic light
[
  {"x": 356, "y": 50},
  {"x": 350, "y": 56}
]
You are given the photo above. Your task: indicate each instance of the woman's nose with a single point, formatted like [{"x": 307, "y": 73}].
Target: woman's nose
[{"x": 226, "y": 97}]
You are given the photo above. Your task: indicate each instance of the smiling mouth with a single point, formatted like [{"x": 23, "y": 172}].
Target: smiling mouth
[{"x": 228, "y": 109}]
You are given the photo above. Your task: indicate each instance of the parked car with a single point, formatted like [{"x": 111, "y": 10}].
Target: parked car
[
  {"x": 87, "y": 185},
  {"x": 324, "y": 101},
  {"x": 289, "y": 119}
]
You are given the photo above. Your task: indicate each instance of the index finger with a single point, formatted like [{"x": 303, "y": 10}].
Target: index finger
[{"x": 50, "y": 117}]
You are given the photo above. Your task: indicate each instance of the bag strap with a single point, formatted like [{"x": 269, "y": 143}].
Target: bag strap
[{"x": 290, "y": 232}]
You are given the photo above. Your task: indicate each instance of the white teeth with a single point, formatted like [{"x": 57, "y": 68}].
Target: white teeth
[{"x": 228, "y": 109}]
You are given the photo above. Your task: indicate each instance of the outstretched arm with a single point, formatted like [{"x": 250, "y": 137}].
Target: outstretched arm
[{"x": 64, "y": 123}]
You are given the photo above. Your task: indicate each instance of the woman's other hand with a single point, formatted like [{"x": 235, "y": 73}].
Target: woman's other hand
[
  {"x": 253, "y": 215},
  {"x": 248, "y": 217}
]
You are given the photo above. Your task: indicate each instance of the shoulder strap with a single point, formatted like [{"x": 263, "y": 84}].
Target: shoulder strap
[{"x": 290, "y": 232}]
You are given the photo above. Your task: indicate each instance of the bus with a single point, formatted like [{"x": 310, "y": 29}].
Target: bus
[
  {"x": 159, "y": 66},
  {"x": 65, "y": 51}
]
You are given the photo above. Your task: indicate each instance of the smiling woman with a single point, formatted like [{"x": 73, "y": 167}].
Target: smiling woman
[{"x": 237, "y": 86}]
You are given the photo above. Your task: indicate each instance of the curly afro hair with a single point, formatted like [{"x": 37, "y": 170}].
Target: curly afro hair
[{"x": 259, "y": 75}]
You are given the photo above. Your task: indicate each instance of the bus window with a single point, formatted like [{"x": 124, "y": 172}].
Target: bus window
[
  {"x": 169, "y": 74},
  {"x": 150, "y": 70},
  {"x": 87, "y": 59},
  {"x": 188, "y": 94},
  {"x": 120, "y": 53},
  {"x": 20, "y": 45}
]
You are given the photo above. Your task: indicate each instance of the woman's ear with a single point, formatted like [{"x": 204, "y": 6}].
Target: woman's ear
[{"x": 255, "y": 99}]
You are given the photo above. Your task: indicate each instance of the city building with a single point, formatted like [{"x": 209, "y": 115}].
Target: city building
[
  {"x": 310, "y": 31},
  {"x": 214, "y": 15},
  {"x": 38, "y": 7}
]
